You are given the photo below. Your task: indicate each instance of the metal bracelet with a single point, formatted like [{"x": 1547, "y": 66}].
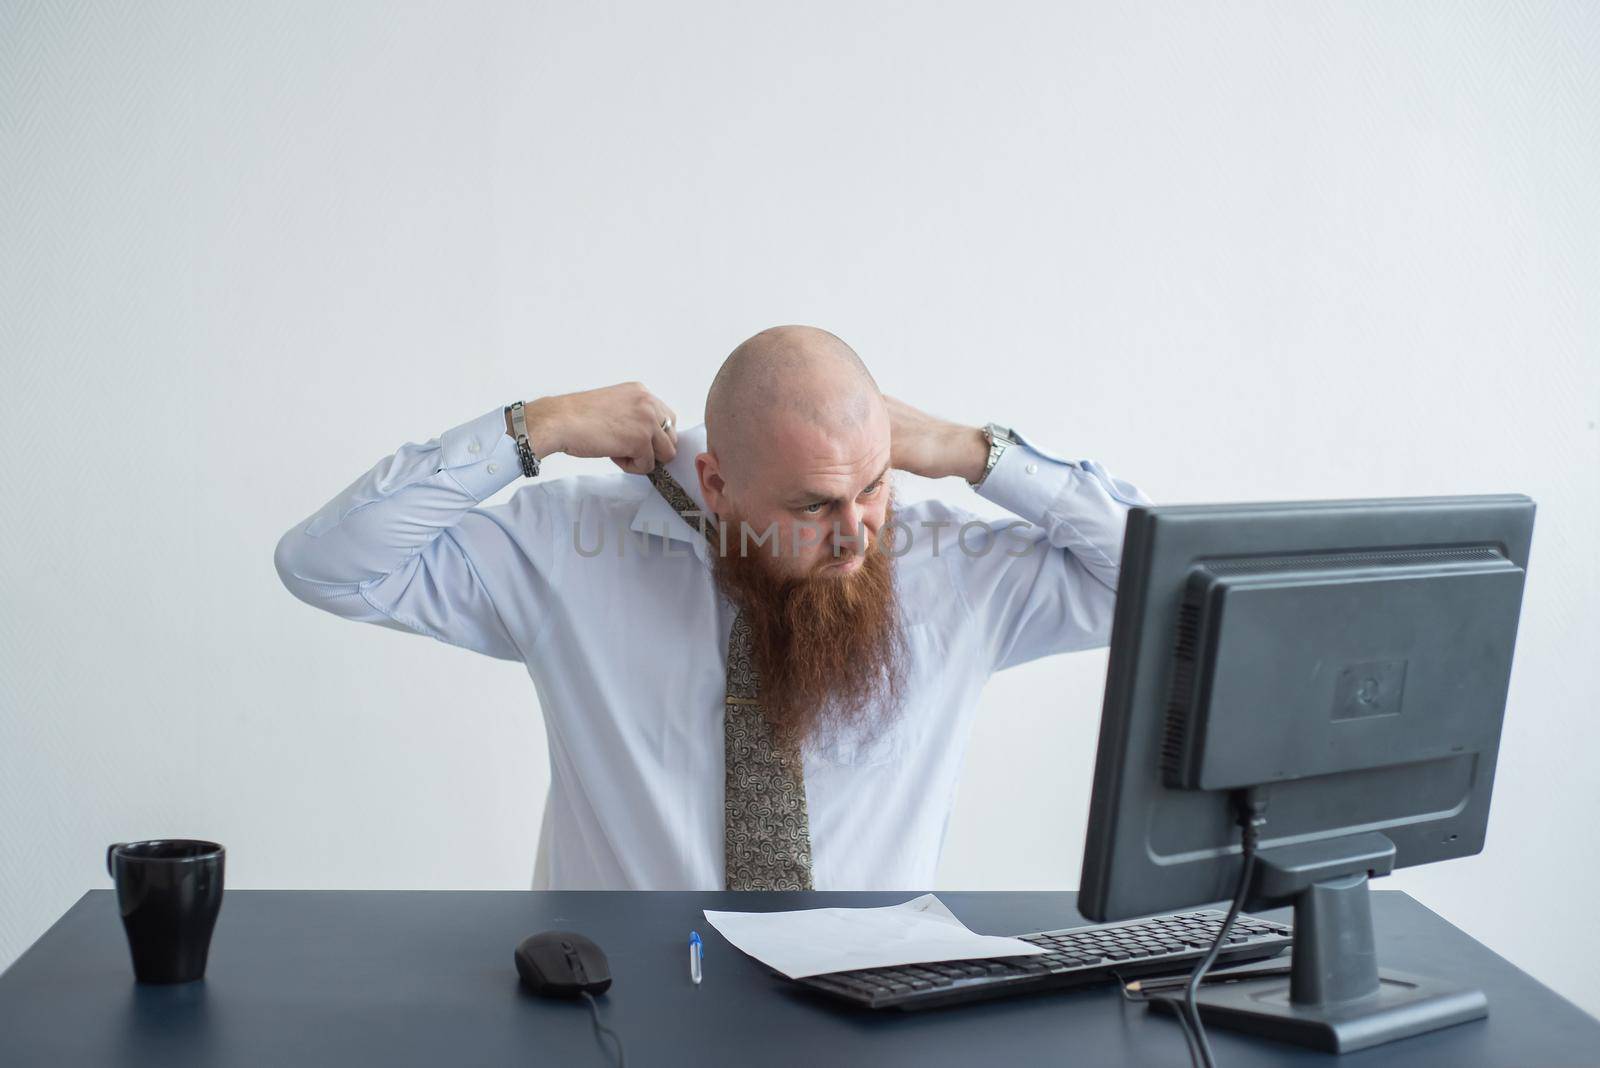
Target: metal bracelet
[
  {"x": 519, "y": 427},
  {"x": 999, "y": 438}
]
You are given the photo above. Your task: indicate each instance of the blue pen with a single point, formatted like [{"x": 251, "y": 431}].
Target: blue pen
[{"x": 695, "y": 950}]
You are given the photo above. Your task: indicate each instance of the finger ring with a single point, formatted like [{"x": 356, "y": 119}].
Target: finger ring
[{"x": 666, "y": 424}]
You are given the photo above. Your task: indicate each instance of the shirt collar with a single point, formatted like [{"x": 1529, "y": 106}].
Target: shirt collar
[{"x": 655, "y": 515}]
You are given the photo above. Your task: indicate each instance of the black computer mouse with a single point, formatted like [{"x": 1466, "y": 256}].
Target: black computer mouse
[{"x": 562, "y": 964}]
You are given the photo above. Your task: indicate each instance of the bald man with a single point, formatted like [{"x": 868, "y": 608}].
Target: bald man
[{"x": 754, "y": 671}]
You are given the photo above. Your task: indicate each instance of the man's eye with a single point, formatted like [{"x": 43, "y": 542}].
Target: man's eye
[
  {"x": 870, "y": 490},
  {"x": 815, "y": 509}
]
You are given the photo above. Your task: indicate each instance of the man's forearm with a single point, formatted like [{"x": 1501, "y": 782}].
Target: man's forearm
[
  {"x": 965, "y": 452},
  {"x": 932, "y": 447},
  {"x": 542, "y": 417}
]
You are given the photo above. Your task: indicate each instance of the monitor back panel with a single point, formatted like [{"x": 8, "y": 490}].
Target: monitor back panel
[{"x": 1366, "y": 739}]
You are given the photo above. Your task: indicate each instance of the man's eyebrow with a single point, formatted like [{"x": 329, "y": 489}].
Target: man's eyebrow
[{"x": 809, "y": 496}]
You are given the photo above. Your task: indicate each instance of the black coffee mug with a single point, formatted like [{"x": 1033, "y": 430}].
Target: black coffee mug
[{"x": 170, "y": 891}]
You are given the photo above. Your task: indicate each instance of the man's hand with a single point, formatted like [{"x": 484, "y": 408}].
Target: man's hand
[
  {"x": 934, "y": 448},
  {"x": 626, "y": 422}
]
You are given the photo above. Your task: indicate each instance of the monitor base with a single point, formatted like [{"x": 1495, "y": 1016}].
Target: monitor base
[
  {"x": 1336, "y": 998},
  {"x": 1403, "y": 1005}
]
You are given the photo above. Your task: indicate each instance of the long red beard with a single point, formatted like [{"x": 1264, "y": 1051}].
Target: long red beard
[{"x": 830, "y": 652}]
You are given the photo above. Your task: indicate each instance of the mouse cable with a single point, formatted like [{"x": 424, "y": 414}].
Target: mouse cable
[{"x": 601, "y": 1029}]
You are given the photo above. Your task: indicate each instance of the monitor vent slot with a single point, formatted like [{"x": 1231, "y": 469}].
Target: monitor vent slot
[{"x": 1180, "y": 699}]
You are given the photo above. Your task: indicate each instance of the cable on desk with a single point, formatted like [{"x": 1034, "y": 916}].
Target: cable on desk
[
  {"x": 601, "y": 1029},
  {"x": 1252, "y": 817},
  {"x": 1178, "y": 1013}
]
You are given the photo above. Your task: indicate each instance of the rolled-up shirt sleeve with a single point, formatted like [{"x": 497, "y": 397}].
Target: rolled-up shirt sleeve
[
  {"x": 406, "y": 545},
  {"x": 1046, "y": 580}
]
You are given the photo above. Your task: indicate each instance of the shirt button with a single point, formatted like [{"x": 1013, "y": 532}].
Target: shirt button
[
  {"x": 472, "y": 447},
  {"x": 493, "y": 468},
  {"x": 1032, "y": 469}
]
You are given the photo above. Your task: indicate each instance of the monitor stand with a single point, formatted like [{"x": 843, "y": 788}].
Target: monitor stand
[{"x": 1336, "y": 998}]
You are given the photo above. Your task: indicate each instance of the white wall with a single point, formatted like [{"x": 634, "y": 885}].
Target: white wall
[{"x": 1246, "y": 251}]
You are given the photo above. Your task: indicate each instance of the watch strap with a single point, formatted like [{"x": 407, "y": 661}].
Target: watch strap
[
  {"x": 519, "y": 433},
  {"x": 1000, "y": 439}
]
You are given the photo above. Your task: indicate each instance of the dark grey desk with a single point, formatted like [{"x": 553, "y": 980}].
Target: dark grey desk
[{"x": 425, "y": 978}]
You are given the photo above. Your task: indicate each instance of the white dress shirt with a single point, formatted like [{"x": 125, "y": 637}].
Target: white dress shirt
[{"x": 605, "y": 594}]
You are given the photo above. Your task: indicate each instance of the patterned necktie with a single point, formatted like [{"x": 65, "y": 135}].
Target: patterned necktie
[{"x": 766, "y": 833}]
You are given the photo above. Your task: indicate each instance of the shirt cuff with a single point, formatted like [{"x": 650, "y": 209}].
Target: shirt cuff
[
  {"x": 480, "y": 455},
  {"x": 1025, "y": 482}
]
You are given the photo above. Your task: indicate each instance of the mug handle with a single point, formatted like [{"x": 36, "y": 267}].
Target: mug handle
[{"x": 111, "y": 849}]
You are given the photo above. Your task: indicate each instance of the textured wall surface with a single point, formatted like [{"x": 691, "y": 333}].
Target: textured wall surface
[{"x": 1234, "y": 251}]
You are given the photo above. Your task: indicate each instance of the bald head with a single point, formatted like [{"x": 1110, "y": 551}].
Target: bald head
[
  {"x": 782, "y": 375},
  {"x": 797, "y": 433}
]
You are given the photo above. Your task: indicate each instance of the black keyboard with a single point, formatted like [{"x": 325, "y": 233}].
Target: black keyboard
[{"x": 1078, "y": 956}]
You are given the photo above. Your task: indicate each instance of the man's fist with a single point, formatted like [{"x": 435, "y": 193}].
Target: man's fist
[{"x": 626, "y": 422}]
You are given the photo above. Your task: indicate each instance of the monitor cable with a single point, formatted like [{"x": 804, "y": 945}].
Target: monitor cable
[{"x": 1252, "y": 816}]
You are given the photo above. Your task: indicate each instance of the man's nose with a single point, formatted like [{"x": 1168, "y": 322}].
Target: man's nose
[{"x": 850, "y": 537}]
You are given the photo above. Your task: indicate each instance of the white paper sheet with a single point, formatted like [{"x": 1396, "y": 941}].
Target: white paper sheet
[{"x": 814, "y": 941}]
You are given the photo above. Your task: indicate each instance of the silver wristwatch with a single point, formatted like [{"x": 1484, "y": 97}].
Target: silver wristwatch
[
  {"x": 519, "y": 429},
  {"x": 1000, "y": 438}
]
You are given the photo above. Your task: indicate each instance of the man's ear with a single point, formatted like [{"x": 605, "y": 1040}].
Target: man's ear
[{"x": 712, "y": 486}]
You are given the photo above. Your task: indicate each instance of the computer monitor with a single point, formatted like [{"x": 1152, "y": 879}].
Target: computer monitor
[{"x": 1344, "y": 663}]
